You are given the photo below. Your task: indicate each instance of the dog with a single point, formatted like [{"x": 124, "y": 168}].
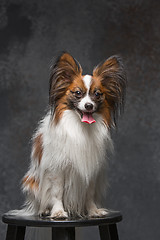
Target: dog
[{"x": 66, "y": 176}]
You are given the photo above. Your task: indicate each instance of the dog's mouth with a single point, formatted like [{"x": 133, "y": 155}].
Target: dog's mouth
[{"x": 86, "y": 117}]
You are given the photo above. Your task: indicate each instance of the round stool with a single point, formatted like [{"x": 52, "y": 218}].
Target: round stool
[{"x": 62, "y": 229}]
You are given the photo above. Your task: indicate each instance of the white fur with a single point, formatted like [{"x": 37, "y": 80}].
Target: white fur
[
  {"x": 87, "y": 79},
  {"x": 86, "y": 99},
  {"x": 71, "y": 170}
]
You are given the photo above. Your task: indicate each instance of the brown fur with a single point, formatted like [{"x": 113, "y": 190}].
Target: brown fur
[
  {"x": 63, "y": 103},
  {"x": 62, "y": 75},
  {"x": 31, "y": 182},
  {"x": 104, "y": 108},
  {"x": 112, "y": 76},
  {"x": 77, "y": 83},
  {"x": 38, "y": 148},
  {"x": 64, "y": 72},
  {"x": 60, "y": 108}
]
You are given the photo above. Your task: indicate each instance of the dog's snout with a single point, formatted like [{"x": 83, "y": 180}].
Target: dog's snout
[{"x": 89, "y": 106}]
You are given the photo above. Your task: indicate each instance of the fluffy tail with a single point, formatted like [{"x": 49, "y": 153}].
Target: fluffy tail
[
  {"x": 22, "y": 212},
  {"x": 32, "y": 233}
]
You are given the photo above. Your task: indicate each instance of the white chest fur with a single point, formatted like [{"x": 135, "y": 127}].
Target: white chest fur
[
  {"x": 79, "y": 145},
  {"x": 77, "y": 151}
]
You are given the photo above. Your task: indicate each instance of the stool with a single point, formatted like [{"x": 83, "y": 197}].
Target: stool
[{"x": 62, "y": 229}]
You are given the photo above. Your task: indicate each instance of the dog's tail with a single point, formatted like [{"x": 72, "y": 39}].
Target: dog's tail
[
  {"x": 32, "y": 233},
  {"x": 27, "y": 209},
  {"x": 21, "y": 212}
]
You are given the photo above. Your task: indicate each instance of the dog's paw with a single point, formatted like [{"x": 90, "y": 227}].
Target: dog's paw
[
  {"x": 59, "y": 214},
  {"x": 97, "y": 213},
  {"x": 45, "y": 213}
]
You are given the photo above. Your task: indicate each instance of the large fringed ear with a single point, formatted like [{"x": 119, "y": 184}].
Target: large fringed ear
[
  {"x": 113, "y": 78},
  {"x": 62, "y": 74}
]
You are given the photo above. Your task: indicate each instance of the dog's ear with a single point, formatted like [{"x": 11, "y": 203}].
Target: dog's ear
[
  {"x": 62, "y": 74},
  {"x": 112, "y": 75}
]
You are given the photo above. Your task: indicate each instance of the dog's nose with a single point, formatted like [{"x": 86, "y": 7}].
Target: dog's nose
[{"x": 88, "y": 106}]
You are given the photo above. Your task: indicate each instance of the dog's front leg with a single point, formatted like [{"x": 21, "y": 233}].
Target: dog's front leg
[
  {"x": 57, "y": 210},
  {"x": 91, "y": 207}
]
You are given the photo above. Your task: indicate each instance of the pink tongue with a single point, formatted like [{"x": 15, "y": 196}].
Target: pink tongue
[{"x": 87, "y": 118}]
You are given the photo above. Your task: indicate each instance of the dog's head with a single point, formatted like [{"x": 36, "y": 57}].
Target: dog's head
[{"x": 101, "y": 93}]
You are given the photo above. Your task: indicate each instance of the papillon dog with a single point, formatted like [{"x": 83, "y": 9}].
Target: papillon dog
[{"x": 66, "y": 177}]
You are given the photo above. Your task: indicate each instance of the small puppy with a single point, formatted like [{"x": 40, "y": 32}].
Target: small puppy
[{"x": 66, "y": 176}]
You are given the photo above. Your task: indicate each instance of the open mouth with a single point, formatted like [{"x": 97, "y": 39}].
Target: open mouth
[{"x": 86, "y": 117}]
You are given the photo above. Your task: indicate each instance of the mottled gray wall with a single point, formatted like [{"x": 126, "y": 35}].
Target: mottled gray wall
[{"x": 31, "y": 33}]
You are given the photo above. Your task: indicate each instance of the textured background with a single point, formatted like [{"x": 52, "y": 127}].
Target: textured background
[{"x": 31, "y": 33}]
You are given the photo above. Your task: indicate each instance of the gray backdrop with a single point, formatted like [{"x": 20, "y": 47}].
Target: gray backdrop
[{"x": 31, "y": 33}]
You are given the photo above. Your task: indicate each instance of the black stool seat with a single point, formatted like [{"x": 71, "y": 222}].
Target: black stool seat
[{"x": 62, "y": 229}]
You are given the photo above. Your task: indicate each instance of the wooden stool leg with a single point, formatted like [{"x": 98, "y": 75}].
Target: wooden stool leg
[
  {"x": 63, "y": 233},
  {"x": 104, "y": 232},
  {"x": 113, "y": 232},
  {"x": 11, "y": 232},
  {"x": 71, "y": 233},
  {"x": 15, "y": 232},
  {"x": 108, "y": 232}
]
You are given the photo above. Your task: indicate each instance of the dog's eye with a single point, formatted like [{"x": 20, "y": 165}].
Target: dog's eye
[
  {"x": 78, "y": 94},
  {"x": 98, "y": 94}
]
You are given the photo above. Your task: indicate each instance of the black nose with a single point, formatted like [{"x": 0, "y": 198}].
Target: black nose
[{"x": 88, "y": 106}]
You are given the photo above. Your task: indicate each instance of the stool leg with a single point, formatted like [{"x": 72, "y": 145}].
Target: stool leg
[
  {"x": 63, "y": 233},
  {"x": 108, "y": 232},
  {"x": 15, "y": 232},
  {"x": 113, "y": 232},
  {"x": 104, "y": 232}
]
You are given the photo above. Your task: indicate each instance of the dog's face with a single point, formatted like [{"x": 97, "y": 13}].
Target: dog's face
[
  {"x": 86, "y": 97},
  {"x": 99, "y": 93}
]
